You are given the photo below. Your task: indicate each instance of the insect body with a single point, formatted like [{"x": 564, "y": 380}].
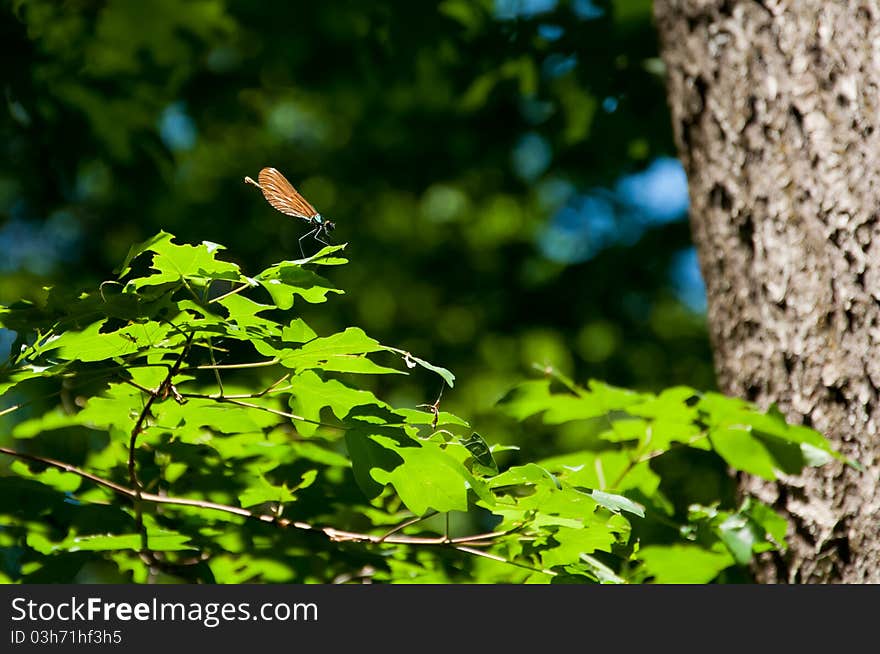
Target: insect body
[{"x": 286, "y": 199}]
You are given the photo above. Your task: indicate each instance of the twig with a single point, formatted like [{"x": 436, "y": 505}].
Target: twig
[
  {"x": 234, "y": 291},
  {"x": 435, "y": 408},
  {"x": 14, "y": 407},
  {"x": 164, "y": 389},
  {"x": 335, "y": 535},
  {"x": 247, "y": 396},
  {"x": 277, "y": 412},
  {"x": 230, "y": 366},
  {"x": 408, "y": 523},
  {"x": 501, "y": 559},
  {"x": 642, "y": 458},
  {"x": 214, "y": 366},
  {"x": 161, "y": 392}
]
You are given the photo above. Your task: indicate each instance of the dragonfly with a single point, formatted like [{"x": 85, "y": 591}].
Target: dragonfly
[{"x": 286, "y": 199}]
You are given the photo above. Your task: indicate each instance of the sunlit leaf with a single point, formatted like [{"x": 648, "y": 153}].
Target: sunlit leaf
[
  {"x": 683, "y": 564},
  {"x": 744, "y": 452},
  {"x": 159, "y": 541},
  {"x": 428, "y": 478},
  {"x": 310, "y": 394},
  {"x": 352, "y": 341}
]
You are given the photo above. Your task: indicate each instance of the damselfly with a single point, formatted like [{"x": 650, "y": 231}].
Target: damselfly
[{"x": 286, "y": 199}]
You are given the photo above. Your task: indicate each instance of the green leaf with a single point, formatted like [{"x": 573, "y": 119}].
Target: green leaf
[
  {"x": 91, "y": 344},
  {"x": 527, "y": 399},
  {"x": 566, "y": 506},
  {"x": 158, "y": 540},
  {"x": 265, "y": 491},
  {"x": 617, "y": 503},
  {"x": 740, "y": 537},
  {"x": 721, "y": 409},
  {"x": 744, "y": 452},
  {"x": 353, "y": 341},
  {"x": 357, "y": 365},
  {"x": 250, "y": 569},
  {"x": 298, "y": 332},
  {"x": 288, "y": 278},
  {"x": 605, "y": 470},
  {"x": 772, "y": 525},
  {"x": 243, "y": 312},
  {"x": 54, "y": 419},
  {"x": 533, "y": 397},
  {"x": 613, "y": 398},
  {"x": 134, "y": 251},
  {"x": 188, "y": 420},
  {"x": 323, "y": 256},
  {"x": 65, "y": 482},
  {"x": 423, "y": 417},
  {"x": 815, "y": 456},
  {"x": 683, "y": 564},
  {"x": 312, "y": 451},
  {"x": 672, "y": 403},
  {"x": 310, "y": 394},
  {"x": 412, "y": 362},
  {"x": 184, "y": 261},
  {"x": 367, "y": 454},
  {"x": 569, "y": 544},
  {"x": 529, "y": 473},
  {"x": 24, "y": 374},
  {"x": 91, "y": 362},
  {"x": 479, "y": 449},
  {"x": 627, "y": 429},
  {"x": 428, "y": 478},
  {"x": 603, "y": 574}
]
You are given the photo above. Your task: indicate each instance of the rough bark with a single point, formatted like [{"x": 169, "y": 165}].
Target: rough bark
[{"x": 776, "y": 109}]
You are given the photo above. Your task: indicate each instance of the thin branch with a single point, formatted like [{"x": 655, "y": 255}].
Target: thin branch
[
  {"x": 272, "y": 386},
  {"x": 248, "y": 396},
  {"x": 66, "y": 467},
  {"x": 501, "y": 559},
  {"x": 142, "y": 389},
  {"x": 277, "y": 412},
  {"x": 434, "y": 408},
  {"x": 408, "y": 523},
  {"x": 335, "y": 535},
  {"x": 14, "y": 407},
  {"x": 474, "y": 540},
  {"x": 234, "y": 291},
  {"x": 643, "y": 458},
  {"x": 164, "y": 389},
  {"x": 636, "y": 458},
  {"x": 214, "y": 365}
]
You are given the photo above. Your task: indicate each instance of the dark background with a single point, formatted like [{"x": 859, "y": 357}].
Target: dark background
[{"x": 502, "y": 171}]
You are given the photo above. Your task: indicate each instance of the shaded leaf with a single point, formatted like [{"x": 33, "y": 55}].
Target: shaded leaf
[{"x": 479, "y": 449}]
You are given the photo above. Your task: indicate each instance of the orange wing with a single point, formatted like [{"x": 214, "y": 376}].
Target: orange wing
[{"x": 282, "y": 196}]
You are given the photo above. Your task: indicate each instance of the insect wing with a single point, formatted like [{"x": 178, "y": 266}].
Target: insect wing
[{"x": 282, "y": 196}]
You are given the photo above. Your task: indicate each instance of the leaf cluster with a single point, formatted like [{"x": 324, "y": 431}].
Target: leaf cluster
[{"x": 183, "y": 421}]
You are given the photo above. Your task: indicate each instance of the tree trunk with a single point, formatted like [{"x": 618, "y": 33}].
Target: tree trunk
[{"x": 776, "y": 110}]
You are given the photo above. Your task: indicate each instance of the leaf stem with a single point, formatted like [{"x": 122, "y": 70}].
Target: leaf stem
[{"x": 230, "y": 366}]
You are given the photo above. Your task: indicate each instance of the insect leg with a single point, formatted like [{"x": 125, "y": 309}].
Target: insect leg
[
  {"x": 318, "y": 234},
  {"x": 306, "y": 236}
]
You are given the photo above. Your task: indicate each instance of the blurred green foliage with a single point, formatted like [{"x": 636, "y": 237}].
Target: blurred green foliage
[{"x": 441, "y": 137}]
